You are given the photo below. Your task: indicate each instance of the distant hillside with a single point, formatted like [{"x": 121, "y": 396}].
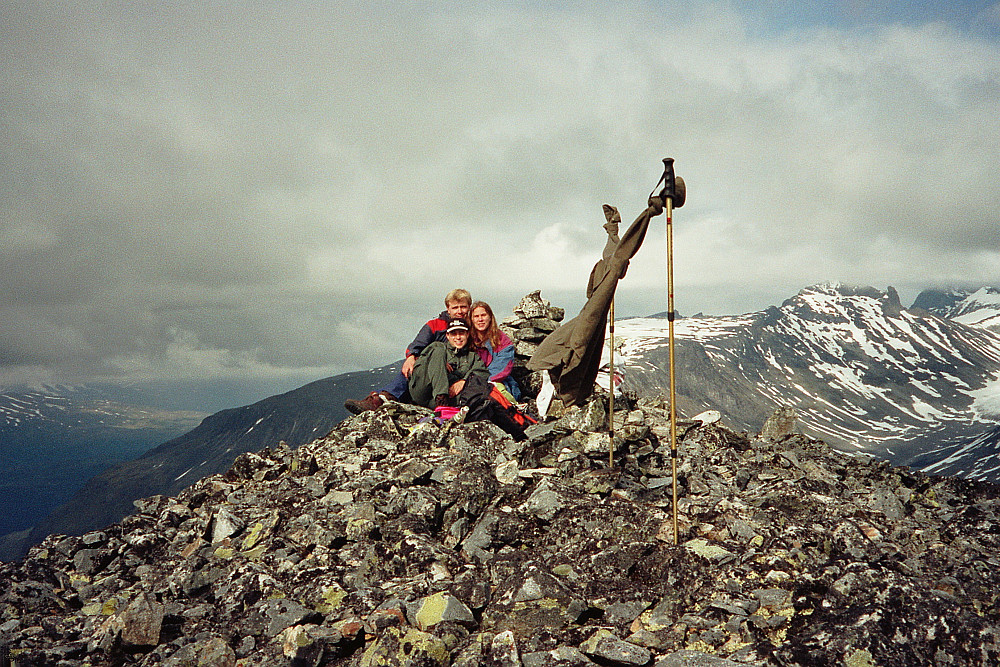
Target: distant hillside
[
  {"x": 53, "y": 439},
  {"x": 296, "y": 417}
]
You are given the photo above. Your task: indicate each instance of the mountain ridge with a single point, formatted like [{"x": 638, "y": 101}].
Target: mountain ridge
[{"x": 863, "y": 372}]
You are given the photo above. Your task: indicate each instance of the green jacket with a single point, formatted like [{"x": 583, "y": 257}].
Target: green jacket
[{"x": 438, "y": 367}]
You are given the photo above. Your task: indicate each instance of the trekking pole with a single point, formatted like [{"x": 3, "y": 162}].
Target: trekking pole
[
  {"x": 611, "y": 384},
  {"x": 673, "y": 188}
]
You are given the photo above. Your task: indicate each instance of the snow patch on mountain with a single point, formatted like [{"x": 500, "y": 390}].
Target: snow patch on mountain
[
  {"x": 986, "y": 401},
  {"x": 979, "y": 308},
  {"x": 862, "y": 371}
]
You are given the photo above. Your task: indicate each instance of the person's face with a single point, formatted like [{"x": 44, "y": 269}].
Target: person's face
[
  {"x": 458, "y": 309},
  {"x": 481, "y": 319},
  {"x": 458, "y": 338}
]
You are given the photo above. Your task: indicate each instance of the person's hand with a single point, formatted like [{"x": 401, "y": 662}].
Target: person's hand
[
  {"x": 456, "y": 388},
  {"x": 408, "y": 365}
]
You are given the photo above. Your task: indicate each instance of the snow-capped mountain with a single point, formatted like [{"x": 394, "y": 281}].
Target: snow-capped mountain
[
  {"x": 863, "y": 373},
  {"x": 981, "y": 307}
]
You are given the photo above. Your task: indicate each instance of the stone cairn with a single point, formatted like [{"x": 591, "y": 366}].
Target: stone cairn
[{"x": 534, "y": 318}]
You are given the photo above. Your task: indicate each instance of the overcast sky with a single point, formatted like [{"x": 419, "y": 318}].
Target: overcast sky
[{"x": 280, "y": 192}]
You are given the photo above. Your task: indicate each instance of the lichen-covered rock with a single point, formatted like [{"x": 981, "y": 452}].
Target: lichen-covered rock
[
  {"x": 399, "y": 647},
  {"x": 530, "y": 599},
  {"x": 395, "y": 542}
]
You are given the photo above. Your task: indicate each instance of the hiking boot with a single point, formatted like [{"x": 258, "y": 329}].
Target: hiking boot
[
  {"x": 369, "y": 402},
  {"x": 441, "y": 400}
]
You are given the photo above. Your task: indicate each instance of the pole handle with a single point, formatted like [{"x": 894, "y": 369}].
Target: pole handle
[
  {"x": 669, "y": 180},
  {"x": 673, "y": 186}
]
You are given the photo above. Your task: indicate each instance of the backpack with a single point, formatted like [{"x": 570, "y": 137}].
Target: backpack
[
  {"x": 486, "y": 403},
  {"x": 523, "y": 420}
]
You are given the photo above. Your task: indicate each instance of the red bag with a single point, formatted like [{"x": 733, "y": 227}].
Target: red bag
[{"x": 522, "y": 419}]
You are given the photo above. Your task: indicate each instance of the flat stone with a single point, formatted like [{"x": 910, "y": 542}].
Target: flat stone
[
  {"x": 143, "y": 619},
  {"x": 507, "y": 472},
  {"x": 438, "y": 608},
  {"x": 544, "y": 502},
  {"x": 688, "y": 658},
  {"x": 712, "y": 552},
  {"x": 606, "y": 645}
]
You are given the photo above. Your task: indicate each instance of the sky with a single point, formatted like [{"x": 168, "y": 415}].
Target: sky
[{"x": 264, "y": 194}]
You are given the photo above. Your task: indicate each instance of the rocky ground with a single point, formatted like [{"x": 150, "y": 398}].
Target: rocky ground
[{"x": 395, "y": 542}]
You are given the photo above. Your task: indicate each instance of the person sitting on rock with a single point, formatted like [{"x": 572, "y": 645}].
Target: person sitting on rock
[
  {"x": 494, "y": 347},
  {"x": 456, "y": 303},
  {"x": 440, "y": 372}
]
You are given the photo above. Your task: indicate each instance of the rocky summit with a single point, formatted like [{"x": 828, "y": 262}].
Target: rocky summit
[{"x": 396, "y": 540}]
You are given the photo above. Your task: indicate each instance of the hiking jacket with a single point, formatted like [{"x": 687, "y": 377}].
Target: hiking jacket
[
  {"x": 432, "y": 331},
  {"x": 438, "y": 367},
  {"x": 500, "y": 362}
]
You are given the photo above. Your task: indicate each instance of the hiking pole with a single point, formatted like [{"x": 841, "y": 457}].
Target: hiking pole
[
  {"x": 673, "y": 189},
  {"x": 611, "y": 384}
]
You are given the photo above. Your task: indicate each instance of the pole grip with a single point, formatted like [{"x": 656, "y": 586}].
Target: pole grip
[{"x": 669, "y": 180}]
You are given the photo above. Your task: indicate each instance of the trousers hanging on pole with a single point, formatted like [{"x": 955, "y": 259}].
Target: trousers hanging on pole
[
  {"x": 613, "y": 219},
  {"x": 611, "y": 383},
  {"x": 673, "y": 194},
  {"x": 572, "y": 353}
]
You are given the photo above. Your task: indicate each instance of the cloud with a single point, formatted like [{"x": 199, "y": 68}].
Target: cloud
[{"x": 233, "y": 191}]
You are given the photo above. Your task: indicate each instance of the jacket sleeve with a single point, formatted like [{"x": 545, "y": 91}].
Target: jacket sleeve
[
  {"x": 503, "y": 360},
  {"x": 427, "y": 335},
  {"x": 477, "y": 367}
]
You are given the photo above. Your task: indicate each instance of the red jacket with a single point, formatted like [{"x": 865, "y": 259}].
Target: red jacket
[{"x": 430, "y": 332}]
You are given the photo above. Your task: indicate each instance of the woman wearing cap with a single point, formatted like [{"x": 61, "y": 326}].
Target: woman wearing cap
[
  {"x": 443, "y": 366},
  {"x": 494, "y": 347}
]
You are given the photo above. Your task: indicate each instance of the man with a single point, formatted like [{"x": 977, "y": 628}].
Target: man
[
  {"x": 440, "y": 373},
  {"x": 457, "y": 303}
]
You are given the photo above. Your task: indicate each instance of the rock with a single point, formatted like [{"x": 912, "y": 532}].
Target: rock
[
  {"x": 712, "y": 552},
  {"x": 503, "y": 650},
  {"x": 544, "y": 502},
  {"x": 529, "y": 599},
  {"x": 278, "y": 614},
  {"x": 399, "y": 647},
  {"x": 439, "y": 608},
  {"x": 689, "y": 658},
  {"x": 780, "y": 424},
  {"x": 224, "y": 524},
  {"x": 532, "y": 305},
  {"x": 210, "y": 652},
  {"x": 707, "y": 417},
  {"x": 605, "y": 645},
  {"x": 507, "y": 472},
  {"x": 143, "y": 619}
]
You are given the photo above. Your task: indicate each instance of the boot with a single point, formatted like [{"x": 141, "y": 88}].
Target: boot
[
  {"x": 369, "y": 402},
  {"x": 441, "y": 399}
]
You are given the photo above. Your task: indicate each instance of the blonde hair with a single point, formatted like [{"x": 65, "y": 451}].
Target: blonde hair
[
  {"x": 456, "y": 295},
  {"x": 492, "y": 332}
]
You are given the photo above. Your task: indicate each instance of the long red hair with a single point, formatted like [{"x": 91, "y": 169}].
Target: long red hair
[{"x": 492, "y": 332}]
